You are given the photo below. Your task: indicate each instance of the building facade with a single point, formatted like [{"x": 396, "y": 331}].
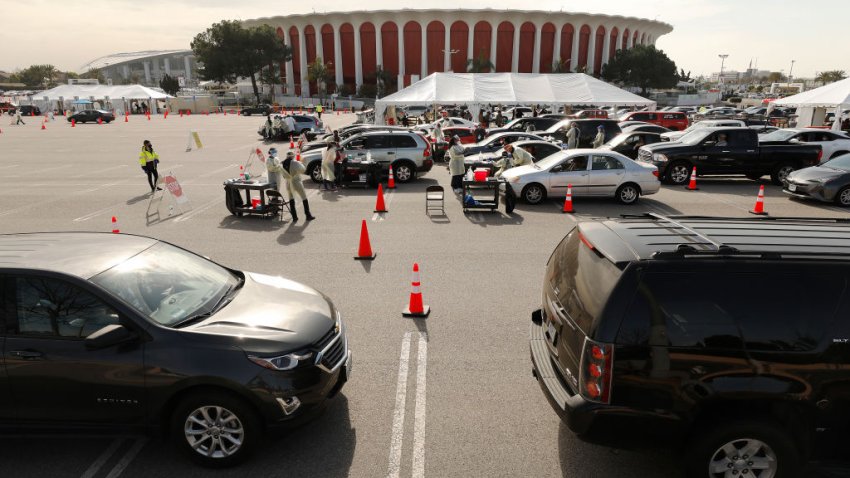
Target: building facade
[
  {"x": 146, "y": 67},
  {"x": 411, "y": 44}
]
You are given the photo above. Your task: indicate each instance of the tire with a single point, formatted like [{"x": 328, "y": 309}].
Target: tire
[
  {"x": 628, "y": 194},
  {"x": 534, "y": 193},
  {"x": 314, "y": 170},
  {"x": 706, "y": 456},
  {"x": 781, "y": 172},
  {"x": 843, "y": 197},
  {"x": 678, "y": 173},
  {"x": 220, "y": 420},
  {"x": 404, "y": 172}
]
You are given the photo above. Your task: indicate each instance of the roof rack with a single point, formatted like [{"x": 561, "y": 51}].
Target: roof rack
[
  {"x": 718, "y": 246},
  {"x": 651, "y": 215},
  {"x": 684, "y": 250}
]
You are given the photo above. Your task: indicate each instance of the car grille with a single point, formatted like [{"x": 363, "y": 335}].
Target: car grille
[{"x": 331, "y": 348}]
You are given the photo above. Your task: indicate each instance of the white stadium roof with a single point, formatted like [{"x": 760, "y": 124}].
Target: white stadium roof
[{"x": 118, "y": 58}]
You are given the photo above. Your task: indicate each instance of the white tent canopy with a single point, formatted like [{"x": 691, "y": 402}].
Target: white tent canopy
[
  {"x": 834, "y": 95},
  {"x": 130, "y": 92},
  {"x": 475, "y": 89}
]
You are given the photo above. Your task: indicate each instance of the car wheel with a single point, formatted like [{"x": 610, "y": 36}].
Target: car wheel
[
  {"x": 743, "y": 448},
  {"x": 534, "y": 194},
  {"x": 628, "y": 193},
  {"x": 315, "y": 172},
  {"x": 843, "y": 197},
  {"x": 678, "y": 173},
  {"x": 403, "y": 172},
  {"x": 215, "y": 429},
  {"x": 780, "y": 174}
]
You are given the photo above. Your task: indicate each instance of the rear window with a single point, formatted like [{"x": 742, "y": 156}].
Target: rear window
[
  {"x": 731, "y": 311},
  {"x": 581, "y": 280},
  {"x": 402, "y": 141}
]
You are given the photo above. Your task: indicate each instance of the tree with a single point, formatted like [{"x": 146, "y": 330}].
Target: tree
[
  {"x": 684, "y": 76},
  {"x": 643, "y": 66},
  {"x": 387, "y": 82},
  {"x": 319, "y": 72},
  {"x": 228, "y": 51},
  {"x": 560, "y": 66},
  {"x": 94, "y": 74},
  {"x": 36, "y": 75},
  {"x": 479, "y": 64},
  {"x": 270, "y": 76},
  {"x": 169, "y": 84},
  {"x": 774, "y": 77},
  {"x": 830, "y": 76}
]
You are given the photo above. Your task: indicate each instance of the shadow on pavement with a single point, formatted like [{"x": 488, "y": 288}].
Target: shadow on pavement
[
  {"x": 294, "y": 232},
  {"x": 494, "y": 218},
  {"x": 249, "y": 223}
]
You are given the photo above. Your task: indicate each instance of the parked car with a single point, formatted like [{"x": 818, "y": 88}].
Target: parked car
[
  {"x": 590, "y": 172},
  {"x": 740, "y": 153},
  {"x": 521, "y": 110},
  {"x": 723, "y": 112},
  {"x": 629, "y": 143},
  {"x": 111, "y": 331},
  {"x": 465, "y": 134},
  {"x": 91, "y": 115},
  {"x": 29, "y": 110},
  {"x": 522, "y": 124},
  {"x": 309, "y": 125},
  {"x": 829, "y": 182},
  {"x": 6, "y": 107},
  {"x": 587, "y": 130},
  {"x": 409, "y": 154},
  {"x": 496, "y": 142},
  {"x": 536, "y": 148},
  {"x": 832, "y": 143},
  {"x": 675, "y": 135},
  {"x": 261, "y": 109},
  {"x": 589, "y": 114},
  {"x": 455, "y": 121},
  {"x": 644, "y": 128},
  {"x": 671, "y": 120},
  {"x": 657, "y": 331},
  {"x": 763, "y": 129}
]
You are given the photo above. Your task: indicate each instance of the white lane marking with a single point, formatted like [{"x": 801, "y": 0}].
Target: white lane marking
[
  {"x": 88, "y": 174},
  {"x": 229, "y": 166},
  {"x": 9, "y": 166},
  {"x": 398, "y": 412},
  {"x": 252, "y": 146},
  {"x": 195, "y": 212},
  {"x": 127, "y": 458},
  {"x": 102, "y": 459},
  {"x": 94, "y": 214},
  {"x": 419, "y": 410}
]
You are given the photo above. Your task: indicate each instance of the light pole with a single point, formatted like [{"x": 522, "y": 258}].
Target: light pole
[
  {"x": 723, "y": 57},
  {"x": 791, "y": 70}
]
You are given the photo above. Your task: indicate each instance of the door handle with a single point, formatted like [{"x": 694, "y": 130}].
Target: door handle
[
  {"x": 26, "y": 354},
  {"x": 726, "y": 151},
  {"x": 391, "y": 152}
]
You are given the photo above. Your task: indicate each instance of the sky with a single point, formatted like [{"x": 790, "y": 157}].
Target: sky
[{"x": 68, "y": 34}]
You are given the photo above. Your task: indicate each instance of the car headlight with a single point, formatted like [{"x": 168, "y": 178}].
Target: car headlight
[
  {"x": 659, "y": 157},
  {"x": 283, "y": 362}
]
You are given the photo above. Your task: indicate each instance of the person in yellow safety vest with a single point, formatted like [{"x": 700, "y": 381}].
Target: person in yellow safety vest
[
  {"x": 291, "y": 171},
  {"x": 148, "y": 160},
  {"x": 319, "y": 109}
]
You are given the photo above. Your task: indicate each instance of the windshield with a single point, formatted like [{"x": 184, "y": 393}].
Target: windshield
[
  {"x": 778, "y": 135},
  {"x": 168, "y": 284},
  {"x": 841, "y": 162},
  {"x": 693, "y": 137},
  {"x": 619, "y": 139}
]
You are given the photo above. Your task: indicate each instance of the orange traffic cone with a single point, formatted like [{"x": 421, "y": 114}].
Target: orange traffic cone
[
  {"x": 415, "y": 307},
  {"x": 379, "y": 205},
  {"x": 42, "y": 126},
  {"x": 181, "y": 113},
  {"x": 692, "y": 185},
  {"x": 126, "y": 118},
  {"x": 115, "y": 229},
  {"x": 364, "y": 252},
  {"x": 758, "y": 209},
  {"x": 165, "y": 115},
  {"x": 391, "y": 182},
  {"x": 291, "y": 142},
  {"x": 298, "y": 156},
  {"x": 99, "y": 120},
  {"x": 568, "y": 201},
  {"x": 73, "y": 123},
  {"x": 149, "y": 116}
]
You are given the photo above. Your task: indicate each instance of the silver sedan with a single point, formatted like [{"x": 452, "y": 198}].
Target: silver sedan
[{"x": 591, "y": 172}]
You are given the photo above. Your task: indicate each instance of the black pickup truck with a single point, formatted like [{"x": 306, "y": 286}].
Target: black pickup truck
[{"x": 727, "y": 151}]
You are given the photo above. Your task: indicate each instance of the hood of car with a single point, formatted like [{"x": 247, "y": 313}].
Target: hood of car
[
  {"x": 661, "y": 147},
  {"x": 523, "y": 171},
  {"x": 269, "y": 315},
  {"x": 816, "y": 172}
]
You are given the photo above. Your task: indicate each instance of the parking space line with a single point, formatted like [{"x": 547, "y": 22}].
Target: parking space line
[
  {"x": 10, "y": 166},
  {"x": 420, "y": 407},
  {"x": 88, "y": 174},
  {"x": 195, "y": 212},
  {"x": 102, "y": 459},
  {"x": 127, "y": 458},
  {"x": 398, "y": 412},
  {"x": 229, "y": 166}
]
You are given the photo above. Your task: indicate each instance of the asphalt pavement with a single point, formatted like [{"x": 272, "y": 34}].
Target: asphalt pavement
[{"x": 447, "y": 396}]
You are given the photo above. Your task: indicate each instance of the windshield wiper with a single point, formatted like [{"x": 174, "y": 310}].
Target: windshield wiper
[{"x": 222, "y": 301}]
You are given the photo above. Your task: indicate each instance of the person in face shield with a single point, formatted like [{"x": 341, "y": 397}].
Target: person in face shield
[
  {"x": 519, "y": 156},
  {"x": 599, "y": 140},
  {"x": 273, "y": 169},
  {"x": 572, "y": 136},
  {"x": 328, "y": 173},
  {"x": 291, "y": 173},
  {"x": 456, "y": 166}
]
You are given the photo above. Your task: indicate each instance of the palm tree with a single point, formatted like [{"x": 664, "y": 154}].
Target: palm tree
[
  {"x": 561, "y": 66},
  {"x": 830, "y": 76},
  {"x": 319, "y": 71},
  {"x": 480, "y": 64},
  {"x": 386, "y": 81}
]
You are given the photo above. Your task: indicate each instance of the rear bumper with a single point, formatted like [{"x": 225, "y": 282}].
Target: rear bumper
[{"x": 427, "y": 164}]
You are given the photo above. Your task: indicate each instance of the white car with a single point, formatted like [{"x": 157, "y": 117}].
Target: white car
[
  {"x": 833, "y": 144},
  {"x": 676, "y": 135},
  {"x": 590, "y": 172},
  {"x": 455, "y": 122}
]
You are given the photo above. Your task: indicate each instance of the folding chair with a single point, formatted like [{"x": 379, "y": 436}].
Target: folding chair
[
  {"x": 276, "y": 204},
  {"x": 434, "y": 196}
]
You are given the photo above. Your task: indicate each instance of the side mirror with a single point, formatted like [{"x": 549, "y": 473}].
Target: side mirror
[
  {"x": 557, "y": 169},
  {"x": 709, "y": 144},
  {"x": 108, "y": 336}
]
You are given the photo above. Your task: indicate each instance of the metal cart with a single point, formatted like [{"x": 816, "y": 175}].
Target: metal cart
[
  {"x": 238, "y": 197},
  {"x": 486, "y": 195}
]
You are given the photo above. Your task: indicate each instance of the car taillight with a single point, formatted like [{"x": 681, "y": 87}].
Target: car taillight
[
  {"x": 596, "y": 362},
  {"x": 427, "y": 153},
  {"x": 820, "y": 155},
  {"x": 655, "y": 173}
]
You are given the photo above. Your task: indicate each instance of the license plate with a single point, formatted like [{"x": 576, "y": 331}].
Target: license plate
[{"x": 792, "y": 187}]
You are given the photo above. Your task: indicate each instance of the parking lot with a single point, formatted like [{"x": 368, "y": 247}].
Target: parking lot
[{"x": 447, "y": 396}]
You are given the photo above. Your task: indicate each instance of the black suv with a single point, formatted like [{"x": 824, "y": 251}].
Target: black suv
[
  {"x": 28, "y": 110},
  {"x": 725, "y": 339},
  {"x": 587, "y": 130},
  {"x": 261, "y": 109},
  {"x": 112, "y": 331}
]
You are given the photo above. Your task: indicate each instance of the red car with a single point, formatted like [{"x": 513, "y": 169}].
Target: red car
[
  {"x": 589, "y": 114},
  {"x": 466, "y": 135},
  {"x": 672, "y": 120}
]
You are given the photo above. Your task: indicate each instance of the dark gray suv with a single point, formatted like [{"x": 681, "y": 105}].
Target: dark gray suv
[{"x": 117, "y": 331}]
